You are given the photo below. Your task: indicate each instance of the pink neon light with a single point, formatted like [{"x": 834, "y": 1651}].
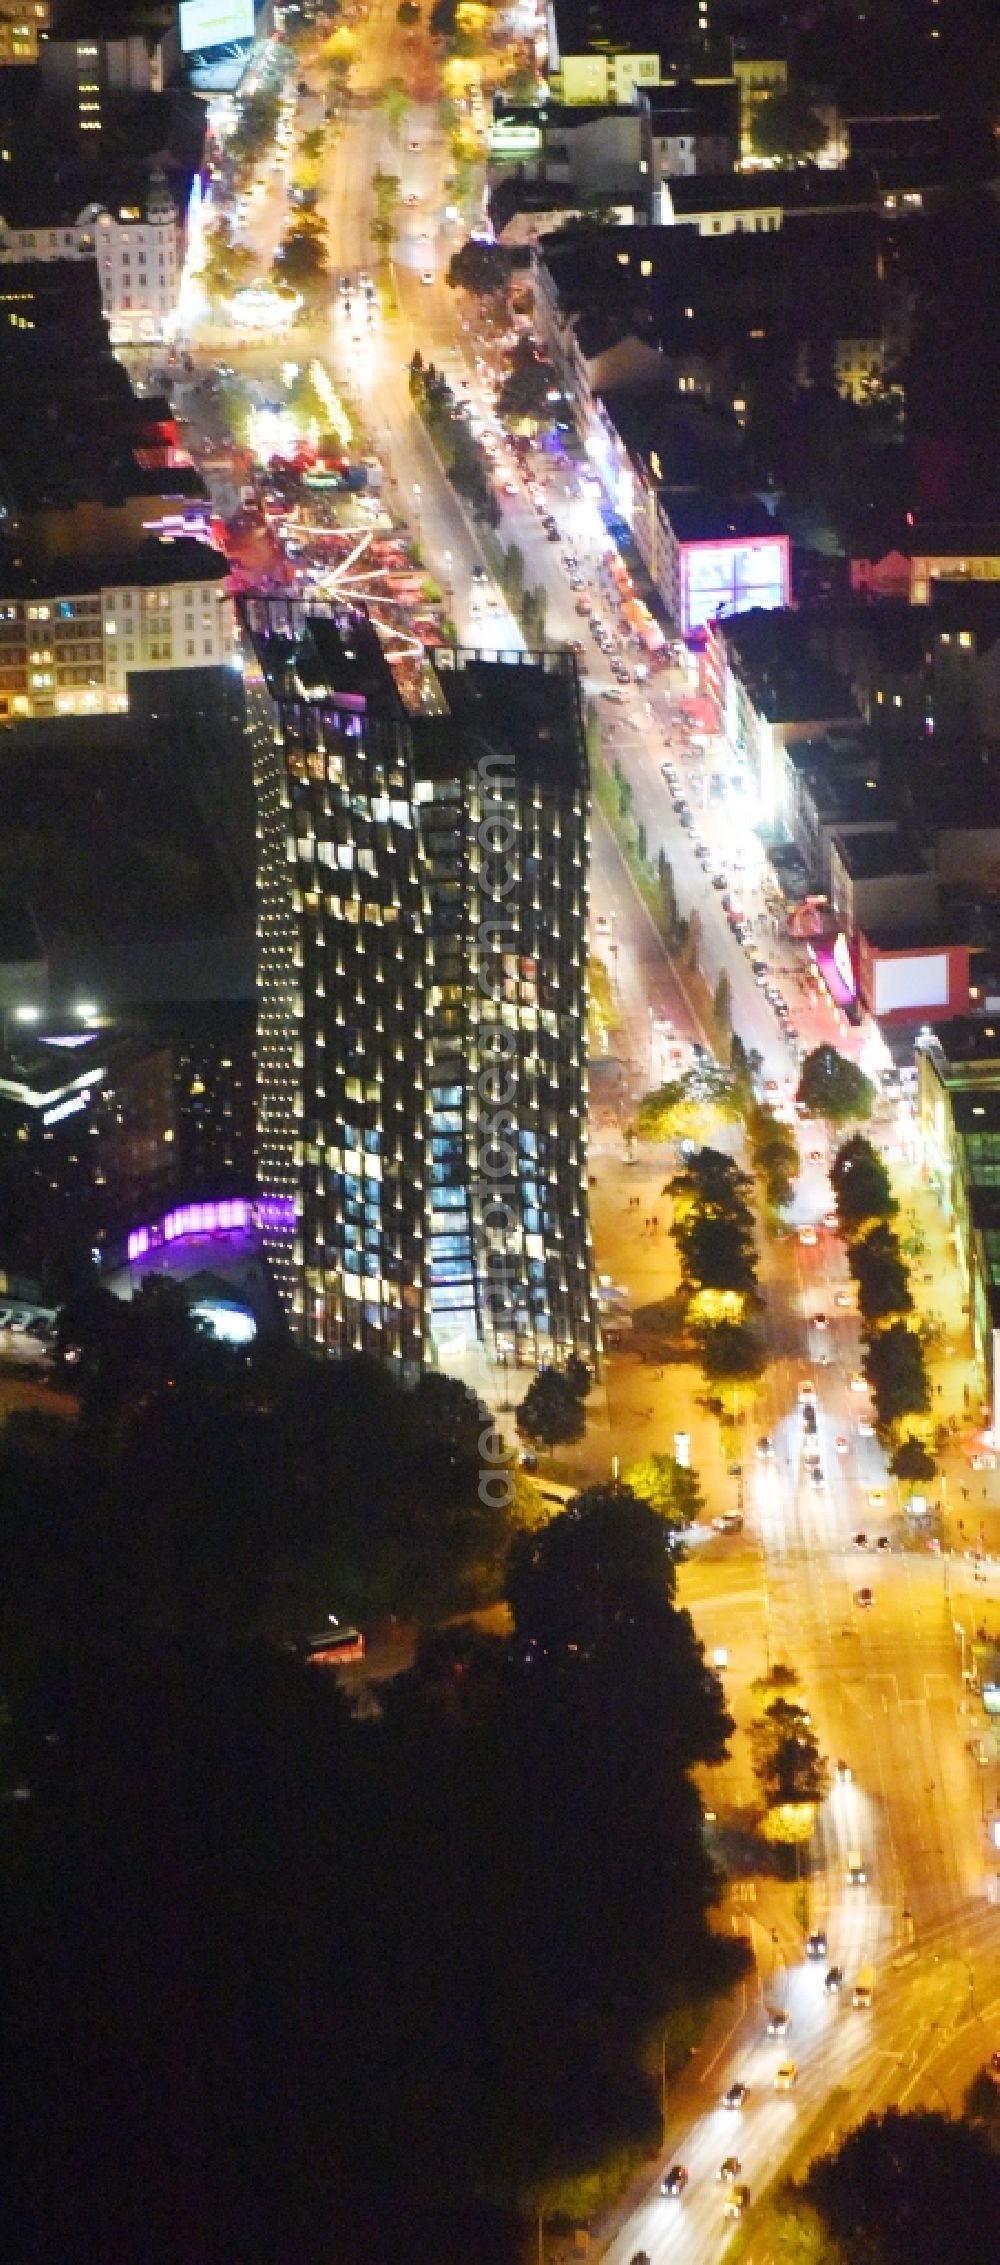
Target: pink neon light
[{"x": 223, "y": 1216}]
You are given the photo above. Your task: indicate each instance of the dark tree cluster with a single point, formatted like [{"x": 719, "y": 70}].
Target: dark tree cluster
[
  {"x": 894, "y": 1360},
  {"x": 354, "y": 1988},
  {"x": 774, "y": 1152},
  {"x": 713, "y": 1230},
  {"x": 553, "y": 1412},
  {"x": 253, "y": 1496},
  {"x": 466, "y": 464},
  {"x": 918, "y": 2189}
]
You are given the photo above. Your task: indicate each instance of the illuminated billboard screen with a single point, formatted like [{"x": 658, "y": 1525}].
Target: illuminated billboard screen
[
  {"x": 902, "y": 984},
  {"x": 213, "y": 23},
  {"x": 730, "y": 577}
]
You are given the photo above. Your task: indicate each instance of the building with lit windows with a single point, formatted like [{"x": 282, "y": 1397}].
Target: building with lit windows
[
  {"x": 134, "y": 229},
  {"x": 92, "y": 58},
  {"x": 601, "y": 50},
  {"x": 70, "y": 640},
  {"x": 958, "y": 1114},
  {"x": 21, "y": 29},
  {"x": 422, "y": 908}
]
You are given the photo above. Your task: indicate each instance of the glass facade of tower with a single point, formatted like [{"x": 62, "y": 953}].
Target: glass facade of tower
[{"x": 422, "y": 919}]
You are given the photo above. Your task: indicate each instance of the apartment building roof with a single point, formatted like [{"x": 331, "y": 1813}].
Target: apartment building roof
[
  {"x": 693, "y": 445},
  {"x": 588, "y": 26},
  {"x": 709, "y": 107},
  {"x": 60, "y": 191},
  {"x": 784, "y": 678},
  {"x": 876, "y": 855},
  {"x": 153, "y": 564},
  {"x": 957, "y": 603},
  {"x": 714, "y": 519},
  {"x": 964, "y": 1043}
]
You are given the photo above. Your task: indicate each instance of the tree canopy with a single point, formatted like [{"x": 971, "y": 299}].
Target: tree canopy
[
  {"x": 528, "y": 384},
  {"x": 295, "y": 1980},
  {"x": 730, "y": 1353},
  {"x": 552, "y": 1412},
  {"x": 687, "y": 1108},
  {"x": 784, "y": 127},
  {"x": 893, "y": 1362},
  {"x": 671, "y": 1488},
  {"x": 918, "y": 2189},
  {"x": 861, "y": 1185},
  {"x": 912, "y": 1460},
  {"x": 301, "y": 260},
  {"x": 483, "y": 269},
  {"x": 882, "y": 1275},
  {"x": 832, "y": 1086},
  {"x": 775, "y": 1153},
  {"x": 787, "y": 1761}
]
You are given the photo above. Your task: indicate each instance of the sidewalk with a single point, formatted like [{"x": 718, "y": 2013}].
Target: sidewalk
[{"x": 642, "y": 1404}]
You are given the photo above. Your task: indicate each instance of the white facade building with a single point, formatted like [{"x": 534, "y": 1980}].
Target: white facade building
[{"x": 139, "y": 247}]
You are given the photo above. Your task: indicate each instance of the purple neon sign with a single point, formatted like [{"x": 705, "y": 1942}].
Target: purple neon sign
[{"x": 231, "y": 1214}]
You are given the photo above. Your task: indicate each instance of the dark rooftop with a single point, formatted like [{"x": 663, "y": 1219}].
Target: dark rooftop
[
  {"x": 686, "y": 106},
  {"x": 152, "y": 563},
  {"x": 523, "y": 712},
  {"x": 561, "y": 116},
  {"x": 954, "y": 538},
  {"x": 787, "y": 682},
  {"x": 957, "y": 602},
  {"x": 823, "y": 276},
  {"x": 643, "y": 26},
  {"x": 709, "y": 519},
  {"x": 132, "y": 838},
  {"x": 966, "y": 1041},
  {"x": 875, "y": 856},
  {"x": 694, "y": 446},
  {"x": 345, "y": 656},
  {"x": 805, "y": 189}
]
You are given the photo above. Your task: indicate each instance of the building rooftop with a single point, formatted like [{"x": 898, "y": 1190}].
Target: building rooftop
[
  {"x": 920, "y": 936},
  {"x": 965, "y": 1043},
  {"x": 153, "y": 564},
  {"x": 692, "y": 106},
  {"x": 877, "y": 856},
  {"x": 638, "y": 26},
  {"x": 550, "y": 117},
  {"x": 683, "y": 288},
  {"x": 954, "y": 538},
  {"x": 957, "y": 603},
  {"x": 712, "y": 519},
  {"x": 525, "y": 711},
  {"x": 513, "y": 195},
  {"x": 43, "y": 187},
  {"x": 954, "y": 785},
  {"x": 694, "y": 446},
  {"x": 806, "y": 189},
  {"x": 771, "y": 652},
  {"x": 838, "y": 758},
  {"x": 132, "y": 838},
  {"x": 344, "y": 656},
  {"x": 852, "y": 801}
]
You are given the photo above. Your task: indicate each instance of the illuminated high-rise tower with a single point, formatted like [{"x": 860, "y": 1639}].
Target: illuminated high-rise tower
[{"x": 422, "y": 889}]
